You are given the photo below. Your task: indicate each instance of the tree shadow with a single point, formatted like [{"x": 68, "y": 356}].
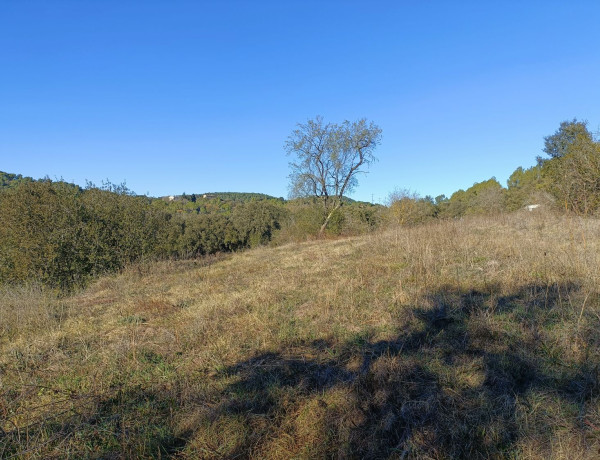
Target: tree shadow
[
  {"x": 453, "y": 385},
  {"x": 470, "y": 375},
  {"x": 124, "y": 422}
]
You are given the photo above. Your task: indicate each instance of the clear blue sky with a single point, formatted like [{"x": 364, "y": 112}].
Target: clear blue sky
[{"x": 178, "y": 96}]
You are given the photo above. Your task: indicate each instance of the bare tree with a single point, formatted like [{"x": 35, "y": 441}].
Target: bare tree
[{"x": 328, "y": 159}]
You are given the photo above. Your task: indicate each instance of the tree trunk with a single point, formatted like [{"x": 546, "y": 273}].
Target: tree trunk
[{"x": 324, "y": 226}]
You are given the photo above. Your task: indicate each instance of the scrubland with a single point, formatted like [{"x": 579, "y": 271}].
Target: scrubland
[{"x": 473, "y": 338}]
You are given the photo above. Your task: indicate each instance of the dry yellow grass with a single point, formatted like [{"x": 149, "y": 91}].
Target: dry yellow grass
[{"x": 475, "y": 338}]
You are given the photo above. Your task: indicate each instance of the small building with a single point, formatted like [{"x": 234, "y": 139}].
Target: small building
[{"x": 531, "y": 207}]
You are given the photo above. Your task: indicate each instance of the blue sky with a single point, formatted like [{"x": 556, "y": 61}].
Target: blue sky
[{"x": 176, "y": 96}]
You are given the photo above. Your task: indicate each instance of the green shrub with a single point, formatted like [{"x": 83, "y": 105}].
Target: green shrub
[{"x": 59, "y": 234}]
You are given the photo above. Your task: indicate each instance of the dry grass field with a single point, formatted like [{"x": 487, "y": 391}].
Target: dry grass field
[{"x": 477, "y": 338}]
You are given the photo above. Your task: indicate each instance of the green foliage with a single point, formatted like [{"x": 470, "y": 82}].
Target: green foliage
[
  {"x": 558, "y": 144},
  {"x": 525, "y": 186},
  {"x": 40, "y": 231},
  {"x": 362, "y": 217},
  {"x": 575, "y": 176},
  {"x": 241, "y": 197},
  {"x": 337, "y": 221},
  {"x": 303, "y": 219},
  {"x": 255, "y": 222},
  {"x": 483, "y": 198},
  {"x": 120, "y": 227},
  {"x": 10, "y": 180},
  {"x": 207, "y": 234},
  {"x": 407, "y": 208},
  {"x": 248, "y": 225},
  {"x": 210, "y": 203},
  {"x": 571, "y": 174},
  {"x": 60, "y": 234}
]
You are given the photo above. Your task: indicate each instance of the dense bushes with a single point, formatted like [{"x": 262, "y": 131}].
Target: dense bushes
[
  {"x": 248, "y": 225},
  {"x": 574, "y": 178},
  {"x": 483, "y": 198},
  {"x": 60, "y": 234},
  {"x": 408, "y": 208},
  {"x": 304, "y": 217},
  {"x": 525, "y": 186},
  {"x": 571, "y": 174}
]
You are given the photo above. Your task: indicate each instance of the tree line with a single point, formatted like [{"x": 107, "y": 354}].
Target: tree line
[
  {"x": 62, "y": 234},
  {"x": 567, "y": 178},
  {"x": 329, "y": 157}
]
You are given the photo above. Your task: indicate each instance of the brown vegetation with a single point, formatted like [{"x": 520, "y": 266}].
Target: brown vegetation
[{"x": 475, "y": 338}]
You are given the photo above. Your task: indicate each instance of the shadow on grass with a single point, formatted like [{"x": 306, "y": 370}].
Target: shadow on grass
[
  {"x": 456, "y": 384},
  {"x": 130, "y": 423},
  {"x": 470, "y": 376}
]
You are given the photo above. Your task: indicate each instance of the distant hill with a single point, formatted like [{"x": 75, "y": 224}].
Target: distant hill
[
  {"x": 9, "y": 180},
  {"x": 346, "y": 200},
  {"x": 222, "y": 196},
  {"x": 241, "y": 196},
  {"x": 224, "y": 200}
]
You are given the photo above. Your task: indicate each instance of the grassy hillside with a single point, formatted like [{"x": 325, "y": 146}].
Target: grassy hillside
[{"x": 476, "y": 338}]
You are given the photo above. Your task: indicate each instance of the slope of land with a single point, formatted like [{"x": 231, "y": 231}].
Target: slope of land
[{"x": 476, "y": 338}]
